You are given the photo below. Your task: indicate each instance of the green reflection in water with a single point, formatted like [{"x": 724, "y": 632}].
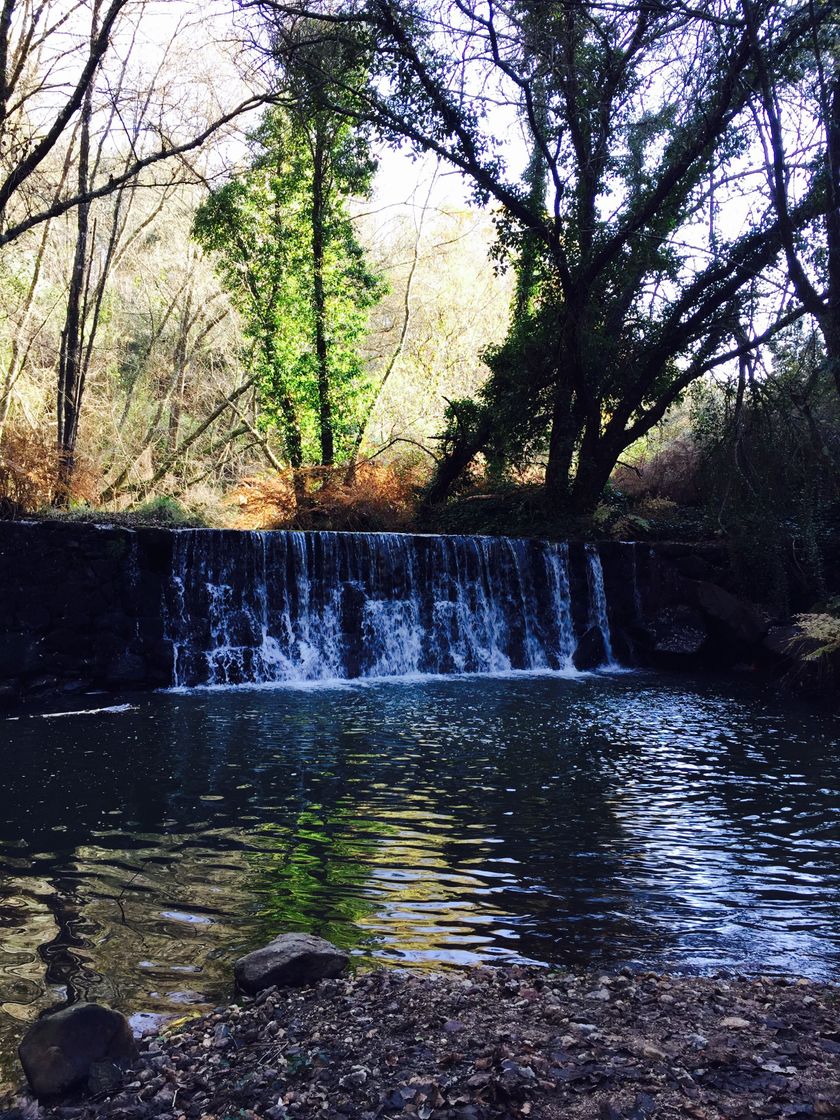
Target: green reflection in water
[{"x": 677, "y": 824}]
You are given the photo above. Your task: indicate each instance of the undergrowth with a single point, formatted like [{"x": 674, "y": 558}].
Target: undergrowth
[
  {"x": 817, "y": 640},
  {"x": 30, "y": 474},
  {"x": 375, "y": 498},
  {"x": 162, "y": 512}
]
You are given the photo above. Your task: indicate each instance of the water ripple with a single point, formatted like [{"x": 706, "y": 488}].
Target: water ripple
[{"x": 438, "y": 823}]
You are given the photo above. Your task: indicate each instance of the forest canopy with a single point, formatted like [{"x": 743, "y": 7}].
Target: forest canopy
[{"x": 470, "y": 243}]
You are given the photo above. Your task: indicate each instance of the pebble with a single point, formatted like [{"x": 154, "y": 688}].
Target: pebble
[{"x": 384, "y": 1043}]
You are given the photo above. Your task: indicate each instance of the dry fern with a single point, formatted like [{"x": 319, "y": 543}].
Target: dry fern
[
  {"x": 29, "y": 473},
  {"x": 377, "y": 498},
  {"x": 818, "y": 637}
]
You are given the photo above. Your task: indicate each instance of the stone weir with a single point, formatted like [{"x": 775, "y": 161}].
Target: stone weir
[{"x": 87, "y": 606}]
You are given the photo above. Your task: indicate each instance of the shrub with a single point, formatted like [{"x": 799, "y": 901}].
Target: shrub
[
  {"x": 819, "y": 636},
  {"x": 29, "y": 473},
  {"x": 672, "y": 474},
  {"x": 161, "y": 511},
  {"x": 816, "y": 651},
  {"x": 166, "y": 512},
  {"x": 648, "y": 518},
  {"x": 378, "y": 497}
]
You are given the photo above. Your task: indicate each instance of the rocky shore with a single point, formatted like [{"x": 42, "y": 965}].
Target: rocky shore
[{"x": 506, "y": 1042}]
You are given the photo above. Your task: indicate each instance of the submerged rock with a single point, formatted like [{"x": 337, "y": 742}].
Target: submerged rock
[
  {"x": 678, "y": 632},
  {"x": 60, "y": 1052},
  {"x": 290, "y": 960}
]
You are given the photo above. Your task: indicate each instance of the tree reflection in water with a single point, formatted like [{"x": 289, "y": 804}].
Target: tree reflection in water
[{"x": 592, "y": 821}]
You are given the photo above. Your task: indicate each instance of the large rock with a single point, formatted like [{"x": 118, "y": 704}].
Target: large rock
[
  {"x": 739, "y": 619},
  {"x": 290, "y": 960},
  {"x": 61, "y": 1051},
  {"x": 696, "y": 567}
]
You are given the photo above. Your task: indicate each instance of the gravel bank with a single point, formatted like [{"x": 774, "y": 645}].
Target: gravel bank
[{"x": 506, "y": 1042}]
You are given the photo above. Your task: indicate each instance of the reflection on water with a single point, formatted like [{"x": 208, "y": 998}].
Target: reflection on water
[{"x": 598, "y": 820}]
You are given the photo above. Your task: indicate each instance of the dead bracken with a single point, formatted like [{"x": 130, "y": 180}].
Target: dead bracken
[{"x": 506, "y": 1042}]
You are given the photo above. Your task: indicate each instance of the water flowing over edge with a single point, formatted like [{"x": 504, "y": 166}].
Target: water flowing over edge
[
  {"x": 598, "y": 601},
  {"x": 289, "y": 607}
]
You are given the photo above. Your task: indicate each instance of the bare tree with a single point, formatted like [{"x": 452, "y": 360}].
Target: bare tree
[
  {"x": 80, "y": 84},
  {"x": 787, "y": 148},
  {"x": 52, "y": 54}
]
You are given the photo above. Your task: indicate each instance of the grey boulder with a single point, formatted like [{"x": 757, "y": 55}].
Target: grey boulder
[
  {"x": 61, "y": 1051},
  {"x": 290, "y": 960},
  {"x": 741, "y": 620}
]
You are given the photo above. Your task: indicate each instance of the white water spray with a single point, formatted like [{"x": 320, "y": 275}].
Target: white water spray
[
  {"x": 598, "y": 600},
  {"x": 286, "y": 606}
]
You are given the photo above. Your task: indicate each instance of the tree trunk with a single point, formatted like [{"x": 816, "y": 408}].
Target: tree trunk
[
  {"x": 179, "y": 359},
  {"x": 292, "y": 438},
  {"x": 319, "y": 175},
  {"x": 562, "y": 442},
  {"x": 596, "y": 461},
  {"x": 450, "y": 468},
  {"x": 114, "y": 487},
  {"x": 831, "y": 327},
  {"x": 70, "y": 371}
]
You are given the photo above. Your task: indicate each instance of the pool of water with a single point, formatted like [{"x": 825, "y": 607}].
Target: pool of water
[{"x": 602, "y": 820}]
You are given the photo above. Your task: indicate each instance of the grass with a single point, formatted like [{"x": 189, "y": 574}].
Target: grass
[{"x": 161, "y": 512}]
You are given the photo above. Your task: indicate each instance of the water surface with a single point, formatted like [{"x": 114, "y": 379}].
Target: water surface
[{"x": 597, "y": 821}]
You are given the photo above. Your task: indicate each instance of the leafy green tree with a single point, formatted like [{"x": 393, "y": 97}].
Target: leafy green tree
[
  {"x": 288, "y": 254},
  {"x": 641, "y": 119}
]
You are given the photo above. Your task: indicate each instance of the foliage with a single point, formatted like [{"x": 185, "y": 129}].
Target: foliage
[
  {"x": 30, "y": 473},
  {"x": 519, "y": 394},
  {"x": 164, "y": 511},
  {"x": 815, "y": 649},
  {"x": 821, "y": 633},
  {"x": 770, "y": 450},
  {"x": 640, "y": 120},
  {"x": 672, "y": 474},
  {"x": 647, "y": 240},
  {"x": 452, "y": 304},
  {"x": 161, "y": 512},
  {"x": 379, "y": 498},
  {"x": 260, "y": 226},
  {"x": 646, "y": 518}
]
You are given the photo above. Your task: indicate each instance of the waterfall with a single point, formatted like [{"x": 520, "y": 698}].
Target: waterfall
[
  {"x": 638, "y": 610},
  {"x": 287, "y": 606},
  {"x": 598, "y": 600}
]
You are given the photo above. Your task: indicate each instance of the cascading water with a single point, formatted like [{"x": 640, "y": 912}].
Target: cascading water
[
  {"x": 287, "y": 606},
  {"x": 638, "y": 609},
  {"x": 598, "y": 600}
]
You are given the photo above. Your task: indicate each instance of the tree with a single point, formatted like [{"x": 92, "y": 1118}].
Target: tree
[
  {"x": 51, "y": 55},
  {"x": 443, "y": 309},
  {"x": 770, "y": 444},
  {"x": 289, "y": 256},
  {"x": 638, "y": 121},
  {"x": 784, "y": 123},
  {"x": 84, "y": 116}
]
